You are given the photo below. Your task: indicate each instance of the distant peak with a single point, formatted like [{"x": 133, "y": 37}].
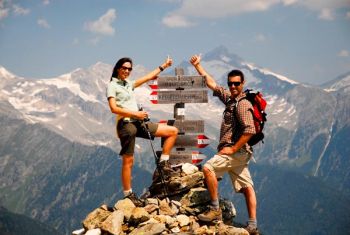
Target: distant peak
[
  {"x": 222, "y": 53},
  {"x": 5, "y": 73}
]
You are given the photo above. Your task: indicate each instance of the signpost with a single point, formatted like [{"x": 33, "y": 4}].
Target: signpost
[
  {"x": 179, "y": 96},
  {"x": 180, "y": 81},
  {"x": 178, "y": 90}
]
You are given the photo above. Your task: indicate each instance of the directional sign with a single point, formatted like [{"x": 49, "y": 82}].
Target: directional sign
[
  {"x": 194, "y": 157},
  {"x": 198, "y": 141},
  {"x": 179, "y": 96},
  {"x": 188, "y": 126},
  {"x": 173, "y": 82}
]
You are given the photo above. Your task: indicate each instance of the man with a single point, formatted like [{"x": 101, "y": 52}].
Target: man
[
  {"x": 121, "y": 100},
  {"x": 234, "y": 152}
]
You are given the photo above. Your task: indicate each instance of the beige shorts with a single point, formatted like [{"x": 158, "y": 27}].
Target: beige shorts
[{"x": 235, "y": 165}]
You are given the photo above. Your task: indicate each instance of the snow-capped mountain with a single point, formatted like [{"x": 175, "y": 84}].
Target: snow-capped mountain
[{"x": 58, "y": 133}]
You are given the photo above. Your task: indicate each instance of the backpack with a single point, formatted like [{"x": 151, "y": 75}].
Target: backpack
[{"x": 259, "y": 115}]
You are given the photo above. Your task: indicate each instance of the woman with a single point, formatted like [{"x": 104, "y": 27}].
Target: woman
[{"x": 121, "y": 99}]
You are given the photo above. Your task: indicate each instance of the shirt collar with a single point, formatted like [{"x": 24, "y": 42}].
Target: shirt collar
[
  {"x": 240, "y": 96},
  {"x": 120, "y": 82}
]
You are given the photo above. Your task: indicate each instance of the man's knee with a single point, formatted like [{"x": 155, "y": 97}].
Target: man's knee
[{"x": 207, "y": 171}]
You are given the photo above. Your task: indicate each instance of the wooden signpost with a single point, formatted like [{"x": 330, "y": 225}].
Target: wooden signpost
[{"x": 178, "y": 90}]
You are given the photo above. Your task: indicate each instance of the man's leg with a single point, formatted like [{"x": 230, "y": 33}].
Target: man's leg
[
  {"x": 212, "y": 183},
  {"x": 250, "y": 197},
  {"x": 216, "y": 163}
]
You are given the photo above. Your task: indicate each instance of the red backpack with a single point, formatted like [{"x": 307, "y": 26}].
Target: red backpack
[{"x": 259, "y": 115}]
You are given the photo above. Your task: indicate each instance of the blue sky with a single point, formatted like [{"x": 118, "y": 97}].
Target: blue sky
[{"x": 307, "y": 41}]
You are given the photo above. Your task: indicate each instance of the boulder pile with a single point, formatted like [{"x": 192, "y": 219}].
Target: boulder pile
[{"x": 171, "y": 207}]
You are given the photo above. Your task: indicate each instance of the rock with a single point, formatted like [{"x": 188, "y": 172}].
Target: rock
[
  {"x": 149, "y": 229},
  {"x": 126, "y": 206},
  {"x": 228, "y": 209},
  {"x": 224, "y": 229},
  {"x": 113, "y": 224},
  {"x": 138, "y": 215},
  {"x": 176, "y": 185},
  {"x": 78, "y": 232},
  {"x": 95, "y": 231},
  {"x": 164, "y": 208},
  {"x": 196, "y": 196},
  {"x": 183, "y": 220},
  {"x": 95, "y": 219},
  {"x": 189, "y": 169},
  {"x": 151, "y": 207}
]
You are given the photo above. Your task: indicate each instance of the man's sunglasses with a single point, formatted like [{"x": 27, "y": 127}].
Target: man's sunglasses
[
  {"x": 234, "y": 83},
  {"x": 126, "y": 68}
]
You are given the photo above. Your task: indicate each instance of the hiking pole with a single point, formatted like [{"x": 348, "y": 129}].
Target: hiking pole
[{"x": 143, "y": 123}]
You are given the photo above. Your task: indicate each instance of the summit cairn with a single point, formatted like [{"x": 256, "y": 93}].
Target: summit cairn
[{"x": 175, "y": 213}]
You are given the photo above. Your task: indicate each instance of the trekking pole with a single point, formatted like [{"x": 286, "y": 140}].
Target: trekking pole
[{"x": 155, "y": 154}]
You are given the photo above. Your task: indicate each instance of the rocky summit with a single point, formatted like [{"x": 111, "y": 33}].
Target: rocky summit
[{"x": 171, "y": 206}]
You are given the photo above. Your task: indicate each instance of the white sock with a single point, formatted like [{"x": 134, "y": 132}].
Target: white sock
[
  {"x": 164, "y": 157},
  {"x": 127, "y": 192}
]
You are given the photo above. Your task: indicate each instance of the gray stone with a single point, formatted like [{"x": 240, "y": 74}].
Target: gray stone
[
  {"x": 95, "y": 231},
  {"x": 95, "y": 218},
  {"x": 78, "y": 232},
  {"x": 138, "y": 215},
  {"x": 196, "y": 196},
  {"x": 113, "y": 224},
  {"x": 183, "y": 220},
  {"x": 126, "y": 206},
  {"x": 164, "y": 208},
  {"x": 149, "y": 229}
]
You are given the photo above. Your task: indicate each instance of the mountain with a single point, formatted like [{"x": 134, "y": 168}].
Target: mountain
[
  {"x": 59, "y": 154},
  {"x": 15, "y": 224}
]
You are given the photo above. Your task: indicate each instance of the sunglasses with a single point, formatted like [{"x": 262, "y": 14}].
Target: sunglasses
[
  {"x": 234, "y": 83},
  {"x": 126, "y": 68}
]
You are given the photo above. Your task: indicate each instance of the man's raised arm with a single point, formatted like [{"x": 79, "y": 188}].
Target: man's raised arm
[{"x": 195, "y": 61}]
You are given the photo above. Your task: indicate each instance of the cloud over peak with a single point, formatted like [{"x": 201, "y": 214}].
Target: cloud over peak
[{"x": 102, "y": 25}]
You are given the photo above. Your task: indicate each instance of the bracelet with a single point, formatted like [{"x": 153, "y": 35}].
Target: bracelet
[{"x": 161, "y": 68}]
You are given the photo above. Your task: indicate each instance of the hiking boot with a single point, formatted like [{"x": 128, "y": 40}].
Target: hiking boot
[
  {"x": 137, "y": 202},
  {"x": 252, "y": 230},
  {"x": 166, "y": 169},
  {"x": 210, "y": 215}
]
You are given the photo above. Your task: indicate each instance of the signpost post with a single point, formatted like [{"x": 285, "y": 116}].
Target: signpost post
[{"x": 178, "y": 90}]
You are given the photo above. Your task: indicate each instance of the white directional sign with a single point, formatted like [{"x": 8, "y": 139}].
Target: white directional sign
[
  {"x": 181, "y": 157},
  {"x": 179, "y": 96},
  {"x": 174, "y": 82}
]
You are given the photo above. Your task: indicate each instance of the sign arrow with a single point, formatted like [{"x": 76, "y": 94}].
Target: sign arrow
[
  {"x": 197, "y": 141},
  {"x": 180, "y": 157}
]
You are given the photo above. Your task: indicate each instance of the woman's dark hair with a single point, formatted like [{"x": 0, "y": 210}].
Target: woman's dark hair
[
  {"x": 120, "y": 64},
  {"x": 235, "y": 73}
]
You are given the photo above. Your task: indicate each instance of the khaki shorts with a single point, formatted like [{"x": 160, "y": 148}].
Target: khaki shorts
[
  {"x": 235, "y": 165},
  {"x": 128, "y": 131}
]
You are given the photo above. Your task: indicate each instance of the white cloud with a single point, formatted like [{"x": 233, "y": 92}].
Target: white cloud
[
  {"x": 348, "y": 15},
  {"x": 260, "y": 37},
  {"x": 4, "y": 12},
  {"x": 103, "y": 24},
  {"x": 344, "y": 53},
  {"x": 43, "y": 23},
  {"x": 18, "y": 10},
  {"x": 174, "y": 21},
  {"x": 76, "y": 41},
  {"x": 190, "y": 9},
  {"x": 94, "y": 41},
  {"x": 326, "y": 14},
  {"x": 46, "y": 2}
]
